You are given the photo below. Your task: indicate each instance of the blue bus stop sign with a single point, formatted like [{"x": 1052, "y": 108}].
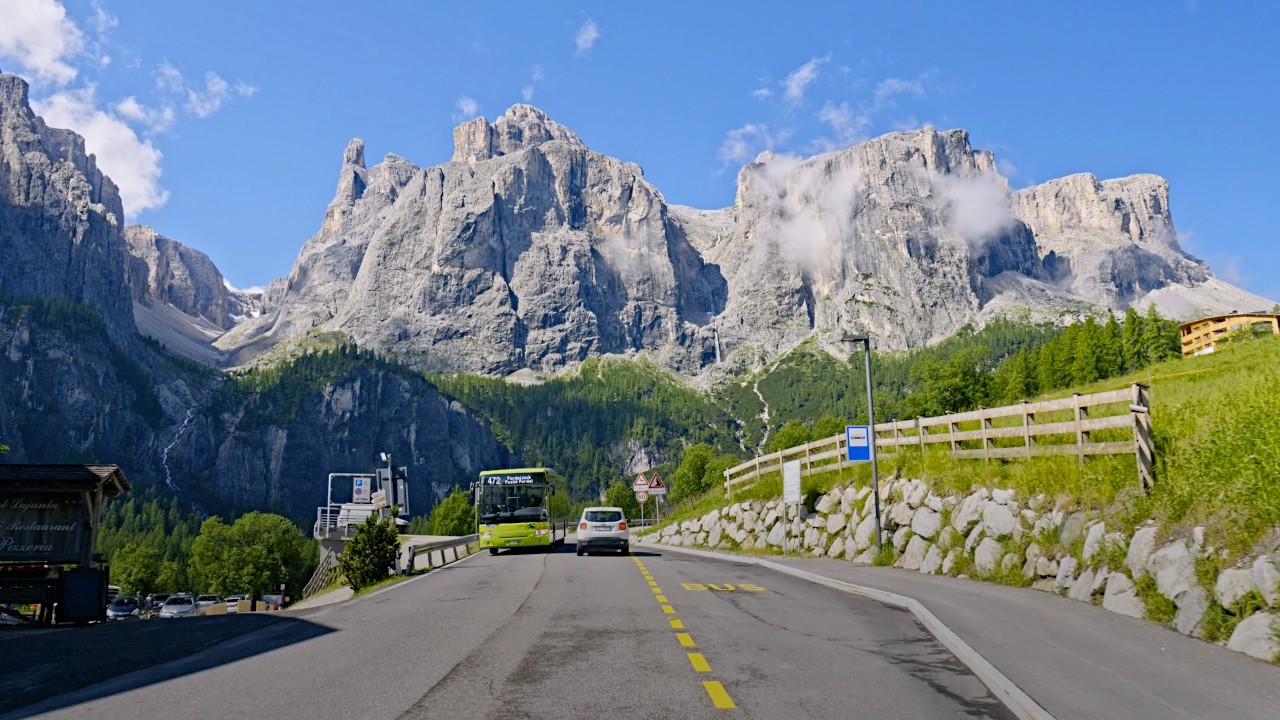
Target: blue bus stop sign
[{"x": 858, "y": 440}]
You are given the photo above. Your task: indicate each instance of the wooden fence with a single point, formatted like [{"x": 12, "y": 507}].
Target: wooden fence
[{"x": 1051, "y": 427}]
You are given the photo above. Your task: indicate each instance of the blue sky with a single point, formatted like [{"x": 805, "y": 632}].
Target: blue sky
[{"x": 225, "y": 122}]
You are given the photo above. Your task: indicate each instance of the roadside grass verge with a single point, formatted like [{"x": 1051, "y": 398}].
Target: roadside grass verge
[{"x": 1217, "y": 462}]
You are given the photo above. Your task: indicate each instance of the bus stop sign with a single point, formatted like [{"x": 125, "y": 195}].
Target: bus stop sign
[{"x": 858, "y": 442}]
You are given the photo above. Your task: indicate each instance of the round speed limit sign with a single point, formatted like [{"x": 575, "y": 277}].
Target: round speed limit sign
[{"x": 642, "y": 496}]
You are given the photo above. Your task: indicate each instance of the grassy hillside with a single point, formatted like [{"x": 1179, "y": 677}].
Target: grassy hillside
[{"x": 1214, "y": 419}]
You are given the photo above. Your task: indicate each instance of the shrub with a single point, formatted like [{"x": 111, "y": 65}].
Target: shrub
[{"x": 370, "y": 555}]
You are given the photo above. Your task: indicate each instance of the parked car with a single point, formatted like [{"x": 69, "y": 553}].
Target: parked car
[
  {"x": 204, "y": 602},
  {"x": 151, "y": 606},
  {"x": 603, "y": 528},
  {"x": 233, "y": 603},
  {"x": 125, "y": 607},
  {"x": 9, "y": 616},
  {"x": 178, "y": 605}
]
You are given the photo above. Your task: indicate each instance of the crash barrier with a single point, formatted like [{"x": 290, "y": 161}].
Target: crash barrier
[
  {"x": 1028, "y": 429},
  {"x": 441, "y": 549}
]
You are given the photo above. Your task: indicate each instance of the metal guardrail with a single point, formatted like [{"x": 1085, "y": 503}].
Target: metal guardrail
[
  {"x": 980, "y": 428},
  {"x": 324, "y": 574},
  {"x": 441, "y": 546}
]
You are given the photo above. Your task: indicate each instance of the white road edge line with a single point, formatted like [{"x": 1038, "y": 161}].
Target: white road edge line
[{"x": 1018, "y": 702}]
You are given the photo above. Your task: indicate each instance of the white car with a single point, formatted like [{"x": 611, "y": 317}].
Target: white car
[
  {"x": 178, "y": 605},
  {"x": 204, "y": 602},
  {"x": 603, "y": 528}
]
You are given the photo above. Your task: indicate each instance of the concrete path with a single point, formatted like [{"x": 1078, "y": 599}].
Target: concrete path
[{"x": 1077, "y": 660}]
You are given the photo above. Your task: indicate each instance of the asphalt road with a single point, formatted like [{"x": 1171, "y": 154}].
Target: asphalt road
[{"x": 536, "y": 636}]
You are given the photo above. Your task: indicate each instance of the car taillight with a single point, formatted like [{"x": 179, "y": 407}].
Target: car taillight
[
  {"x": 622, "y": 526},
  {"x": 582, "y": 526}
]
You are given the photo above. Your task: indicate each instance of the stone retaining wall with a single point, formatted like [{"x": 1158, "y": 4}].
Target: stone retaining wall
[{"x": 993, "y": 535}]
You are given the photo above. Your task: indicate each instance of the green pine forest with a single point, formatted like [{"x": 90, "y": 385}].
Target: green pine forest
[{"x": 590, "y": 422}]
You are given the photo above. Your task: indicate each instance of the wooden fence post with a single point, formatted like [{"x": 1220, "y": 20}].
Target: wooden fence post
[
  {"x": 1081, "y": 435},
  {"x": 1143, "y": 447},
  {"x": 920, "y": 432},
  {"x": 986, "y": 439},
  {"x": 1028, "y": 419},
  {"x": 955, "y": 444}
]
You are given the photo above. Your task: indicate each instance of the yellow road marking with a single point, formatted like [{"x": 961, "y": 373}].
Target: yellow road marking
[
  {"x": 668, "y": 610},
  {"x": 719, "y": 697},
  {"x": 660, "y": 598},
  {"x": 677, "y": 624},
  {"x": 686, "y": 640},
  {"x": 699, "y": 663},
  {"x": 657, "y": 590},
  {"x": 653, "y": 583}
]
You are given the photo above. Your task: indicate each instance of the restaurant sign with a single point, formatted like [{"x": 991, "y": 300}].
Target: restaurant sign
[{"x": 43, "y": 528}]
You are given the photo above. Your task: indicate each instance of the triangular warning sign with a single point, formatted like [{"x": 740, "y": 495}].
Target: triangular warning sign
[{"x": 655, "y": 482}]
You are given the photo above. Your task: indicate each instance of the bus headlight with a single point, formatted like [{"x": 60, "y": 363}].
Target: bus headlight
[
  {"x": 543, "y": 531},
  {"x": 486, "y": 535}
]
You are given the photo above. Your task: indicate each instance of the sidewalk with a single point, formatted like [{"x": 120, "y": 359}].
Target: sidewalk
[{"x": 1076, "y": 660}]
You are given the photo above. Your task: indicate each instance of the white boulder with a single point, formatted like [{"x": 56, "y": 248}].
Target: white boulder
[
  {"x": 969, "y": 511},
  {"x": 836, "y": 522},
  {"x": 913, "y": 556},
  {"x": 1232, "y": 585},
  {"x": 1173, "y": 569},
  {"x": 1141, "y": 547},
  {"x": 1256, "y": 636},
  {"x": 900, "y": 538},
  {"x": 926, "y": 523},
  {"x": 987, "y": 556},
  {"x": 1192, "y": 605},
  {"x": 997, "y": 520},
  {"x": 1121, "y": 597},
  {"x": 837, "y": 548},
  {"x": 1267, "y": 580},
  {"x": 949, "y": 562},
  {"x": 865, "y": 534},
  {"x": 932, "y": 561},
  {"x": 1093, "y": 540},
  {"x": 1082, "y": 588},
  {"x": 1002, "y": 497}
]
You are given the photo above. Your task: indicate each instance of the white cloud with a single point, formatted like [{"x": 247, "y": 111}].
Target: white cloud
[
  {"x": 763, "y": 93},
  {"x": 255, "y": 289},
  {"x": 467, "y": 109},
  {"x": 586, "y": 37},
  {"x": 216, "y": 92},
  {"x": 526, "y": 92},
  {"x": 850, "y": 127},
  {"x": 889, "y": 89},
  {"x": 744, "y": 143},
  {"x": 538, "y": 74},
  {"x": 133, "y": 164},
  {"x": 156, "y": 120},
  {"x": 39, "y": 37},
  {"x": 103, "y": 21},
  {"x": 536, "y": 77},
  {"x": 798, "y": 81},
  {"x": 811, "y": 206},
  {"x": 977, "y": 206},
  {"x": 168, "y": 78}
]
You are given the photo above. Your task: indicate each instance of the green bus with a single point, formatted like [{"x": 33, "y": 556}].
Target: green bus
[{"x": 521, "y": 508}]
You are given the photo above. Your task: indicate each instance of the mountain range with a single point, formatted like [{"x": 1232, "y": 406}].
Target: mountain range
[{"x": 523, "y": 256}]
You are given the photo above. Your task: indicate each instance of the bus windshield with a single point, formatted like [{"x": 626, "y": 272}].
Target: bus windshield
[{"x": 524, "y": 502}]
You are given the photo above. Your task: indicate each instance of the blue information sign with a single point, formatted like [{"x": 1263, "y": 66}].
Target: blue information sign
[{"x": 858, "y": 439}]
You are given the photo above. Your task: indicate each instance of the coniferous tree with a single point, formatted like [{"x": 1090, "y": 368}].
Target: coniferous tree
[
  {"x": 1110, "y": 350},
  {"x": 1084, "y": 364},
  {"x": 1132, "y": 355}
]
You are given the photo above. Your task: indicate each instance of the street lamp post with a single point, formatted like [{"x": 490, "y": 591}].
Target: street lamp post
[{"x": 871, "y": 423}]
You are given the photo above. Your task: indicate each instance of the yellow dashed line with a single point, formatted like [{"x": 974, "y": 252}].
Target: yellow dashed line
[{"x": 719, "y": 697}]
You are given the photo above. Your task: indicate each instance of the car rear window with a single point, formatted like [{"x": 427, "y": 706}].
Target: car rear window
[{"x": 603, "y": 516}]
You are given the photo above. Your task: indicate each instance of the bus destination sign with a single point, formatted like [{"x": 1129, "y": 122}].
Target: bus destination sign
[{"x": 524, "y": 479}]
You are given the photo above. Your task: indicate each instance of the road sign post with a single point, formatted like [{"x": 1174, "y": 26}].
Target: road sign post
[
  {"x": 790, "y": 494},
  {"x": 659, "y": 488}
]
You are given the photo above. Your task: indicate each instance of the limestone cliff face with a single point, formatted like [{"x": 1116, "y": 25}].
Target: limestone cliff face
[
  {"x": 533, "y": 252},
  {"x": 166, "y": 272},
  {"x": 898, "y": 237},
  {"x": 60, "y": 217},
  {"x": 1111, "y": 241}
]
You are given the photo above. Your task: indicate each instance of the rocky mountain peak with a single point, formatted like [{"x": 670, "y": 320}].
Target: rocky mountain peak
[
  {"x": 519, "y": 128},
  {"x": 60, "y": 216}
]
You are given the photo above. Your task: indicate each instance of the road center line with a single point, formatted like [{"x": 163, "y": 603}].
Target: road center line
[
  {"x": 699, "y": 663},
  {"x": 719, "y": 697},
  {"x": 686, "y": 640}
]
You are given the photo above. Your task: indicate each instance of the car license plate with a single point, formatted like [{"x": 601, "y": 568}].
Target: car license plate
[
  {"x": 513, "y": 542},
  {"x": 604, "y": 528}
]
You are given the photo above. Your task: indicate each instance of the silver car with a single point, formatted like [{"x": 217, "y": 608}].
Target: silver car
[{"x": 180, "y": 605}]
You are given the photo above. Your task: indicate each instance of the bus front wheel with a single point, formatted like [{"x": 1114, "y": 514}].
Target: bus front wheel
[{"x": 493, "y": 551}]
